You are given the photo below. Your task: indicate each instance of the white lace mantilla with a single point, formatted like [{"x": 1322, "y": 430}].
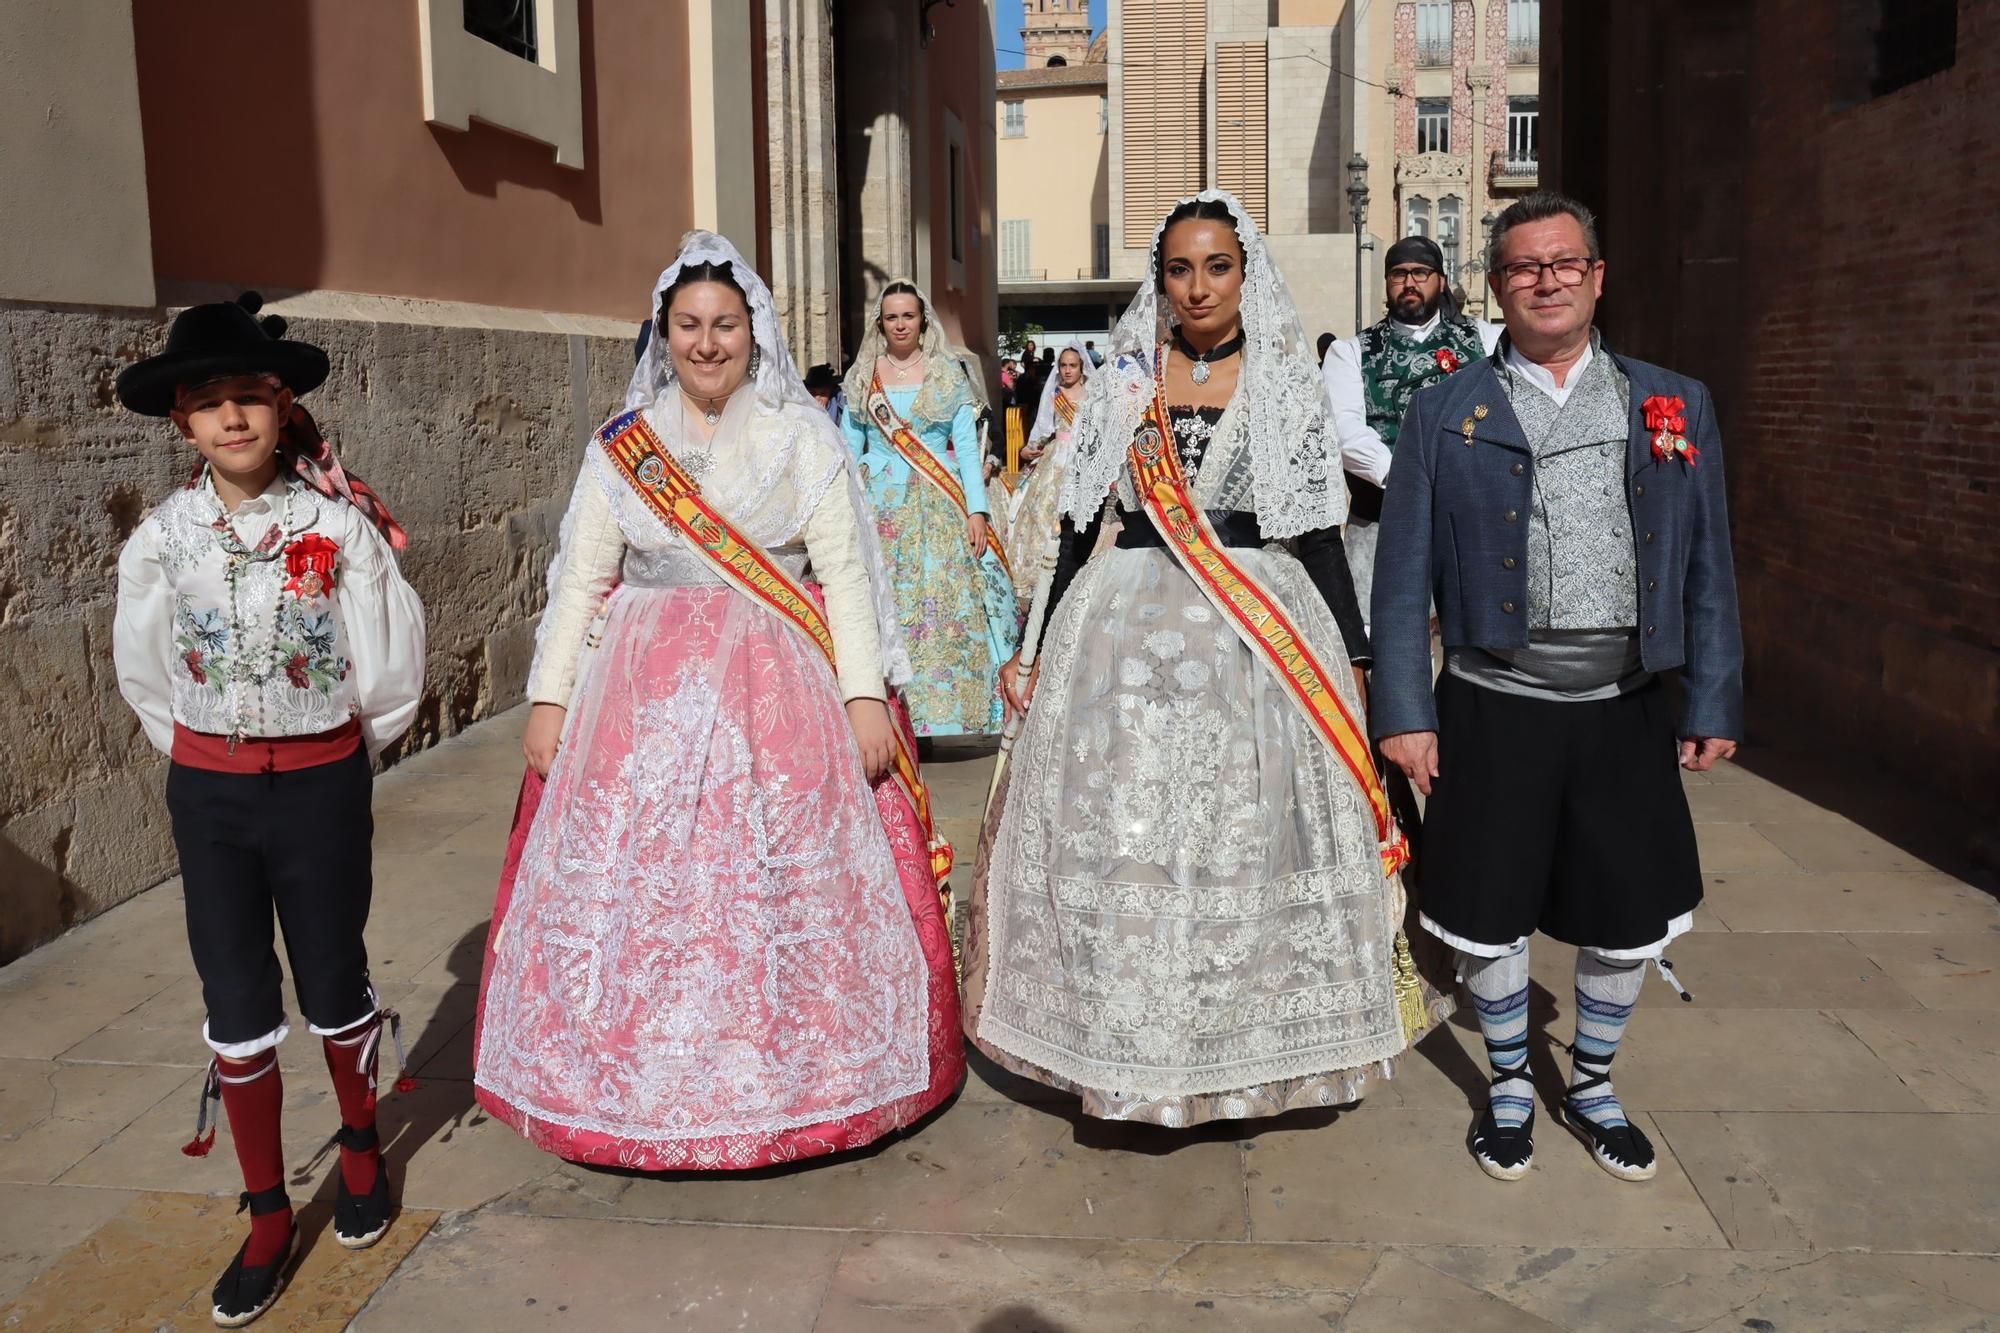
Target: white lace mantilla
[{"x": 1293, "y": 456}]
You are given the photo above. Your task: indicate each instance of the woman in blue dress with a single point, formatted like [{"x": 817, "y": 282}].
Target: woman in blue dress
[{"x": 912, "y": 422}]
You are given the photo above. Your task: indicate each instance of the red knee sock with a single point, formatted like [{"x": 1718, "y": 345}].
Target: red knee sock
[
  {"x": 253, "y": 1093},
  {"x": 351, "y": 1057}
]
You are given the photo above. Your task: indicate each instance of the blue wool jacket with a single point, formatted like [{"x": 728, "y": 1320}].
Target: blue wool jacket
[{"x": 1455, "y": 530}]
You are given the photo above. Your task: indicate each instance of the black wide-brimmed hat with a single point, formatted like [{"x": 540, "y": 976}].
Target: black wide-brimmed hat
[{"x": 208, "y": 342}]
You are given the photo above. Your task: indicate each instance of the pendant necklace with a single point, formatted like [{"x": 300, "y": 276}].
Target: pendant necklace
[
  {"x": 1199, "y": 373},
  {"x": 698, "y": 462},
  {"x": 902, "y": 368},
  {"x": 247, "y": 669}
]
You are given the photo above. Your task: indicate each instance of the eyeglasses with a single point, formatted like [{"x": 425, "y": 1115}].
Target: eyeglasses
[
  {"x": 1410, "y": 277},
  {"x": 1525, "y": 273}
]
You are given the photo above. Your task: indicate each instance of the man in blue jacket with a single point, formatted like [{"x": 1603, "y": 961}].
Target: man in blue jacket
[{"x": 1564, "y": 507}]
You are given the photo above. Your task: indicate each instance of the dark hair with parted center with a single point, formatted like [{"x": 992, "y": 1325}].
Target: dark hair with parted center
[
  {"x": 1540, "y": 207},
  {"x": 1207, "y": 210},
  {"x": 901, "y": 288},
  {"x": 690, "y": 274}
]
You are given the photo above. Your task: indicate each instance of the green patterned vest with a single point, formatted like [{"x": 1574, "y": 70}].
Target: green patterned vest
[{"x": 1394, "y": 367}]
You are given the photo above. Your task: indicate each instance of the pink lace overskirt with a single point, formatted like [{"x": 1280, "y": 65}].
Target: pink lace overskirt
[{"x": 715, "y": 946}]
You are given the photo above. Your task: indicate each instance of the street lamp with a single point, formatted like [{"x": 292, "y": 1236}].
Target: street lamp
[{"x": 1357, "y": 212}]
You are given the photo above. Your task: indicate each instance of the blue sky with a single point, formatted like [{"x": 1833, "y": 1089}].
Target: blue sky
[{"x": 1010, "y": 30}]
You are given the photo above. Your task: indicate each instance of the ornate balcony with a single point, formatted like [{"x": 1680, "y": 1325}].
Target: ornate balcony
[{"x": 1429, "y": 168}]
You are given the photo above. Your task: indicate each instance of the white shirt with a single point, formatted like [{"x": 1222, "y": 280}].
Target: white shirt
[
  {"x": 283, "y": 660},
  {"x": 1361, "y": 449},
  {"x": 1542, "y": 378}
]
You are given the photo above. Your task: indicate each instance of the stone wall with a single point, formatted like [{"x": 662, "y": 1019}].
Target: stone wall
[{"x": 473, "y": 436}]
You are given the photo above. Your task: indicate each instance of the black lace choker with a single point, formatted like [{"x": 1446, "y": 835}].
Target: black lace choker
[{"x": 1221, "y": 351}]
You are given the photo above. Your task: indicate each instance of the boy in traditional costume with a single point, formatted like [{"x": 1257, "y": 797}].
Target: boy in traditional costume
[{"x": 271, "y": 647}]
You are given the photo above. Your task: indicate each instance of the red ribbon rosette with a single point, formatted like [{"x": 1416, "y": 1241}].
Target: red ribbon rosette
[
  {"x": 1447, "y": 360},
  {"x": 1667, "y": 419},
  {"x": 310, "y": 561}
]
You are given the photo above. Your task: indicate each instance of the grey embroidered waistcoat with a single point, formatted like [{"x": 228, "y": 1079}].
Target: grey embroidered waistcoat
[{"x": 1582, "y": 566}]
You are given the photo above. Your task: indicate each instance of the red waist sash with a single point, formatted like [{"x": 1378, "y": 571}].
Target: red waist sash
[{"x": 265, "y": 754}]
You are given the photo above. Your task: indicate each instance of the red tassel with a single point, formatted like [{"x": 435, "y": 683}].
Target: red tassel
[
  {"x": 199, "y": 1145},
  {"x": 405, "y": 1083}
]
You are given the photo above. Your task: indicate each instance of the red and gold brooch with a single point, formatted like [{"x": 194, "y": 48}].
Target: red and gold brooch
[
  {"x": 1666, "y": 418},
  {"x": 310, "y": 561}
]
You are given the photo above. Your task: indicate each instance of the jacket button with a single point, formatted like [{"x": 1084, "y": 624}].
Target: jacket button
[
  {"x": 1651, "y": 584},
  {"x": 1508, "y": 607},
  {"x": 1517, "y": 469},
  {"x": 1651, "y": 630},
  {"x": 1506, "y": 562},
  {"x": 1511, "y": 516},
  {"x": 1649, "y": 539},
  {"x": 1640, "y": 491}
]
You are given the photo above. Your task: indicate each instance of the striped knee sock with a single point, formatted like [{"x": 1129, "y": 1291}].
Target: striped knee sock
[
  {"x": 1499, "y": 988},
  {"x": 1606, "y": 990}
]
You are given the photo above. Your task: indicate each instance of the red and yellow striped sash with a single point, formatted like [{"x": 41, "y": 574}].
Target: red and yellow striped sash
[
  {"x": 927, "y": 464},
  {"x": 676, "y": 499},
  {"x": 1256, "y": 614},
  {"x": 1065, "y": 409}
]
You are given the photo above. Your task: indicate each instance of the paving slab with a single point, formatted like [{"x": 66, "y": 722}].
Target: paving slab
[
  {"x": 976, "y": 1168},
  {"x": 1843, "y": 845},
  {"x": 1739, "y": 847},
  {"x": 1830, "y": 1181},
  {"x": 1656, "y": 1291},
  {"x": 498, "y": 1272},
  {"x": 154, "y": 1264},
  {"x": 54, "y": 1115},
  {"x": 1949, "y": 970},
  {"x": 1849, "y": 901},
  {"x": 964, "y": 1284},
  {"x": 1948, "y": 1058},
  {"x": 1404, "y": 1293},
  {"x": 1381, "y": 1176},
  {"x": 40, "y": 1223}
]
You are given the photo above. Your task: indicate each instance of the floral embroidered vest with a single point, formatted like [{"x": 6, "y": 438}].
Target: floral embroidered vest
[
  {"x": 1395, "y": 367},
  {"x": 276, "y": 662}
]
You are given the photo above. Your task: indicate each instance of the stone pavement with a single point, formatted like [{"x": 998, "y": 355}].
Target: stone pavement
[{"x": 1827, "y": 1112}]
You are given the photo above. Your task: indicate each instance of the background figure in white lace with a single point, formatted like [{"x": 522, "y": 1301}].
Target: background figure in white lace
[
  {"x": 715, "y": 946},
  {"x": 1033, "y": 521},
  {"x": 1186, "y": 913}
]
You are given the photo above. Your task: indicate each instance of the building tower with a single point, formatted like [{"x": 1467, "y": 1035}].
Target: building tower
[{"x": 1055, "y": 32}]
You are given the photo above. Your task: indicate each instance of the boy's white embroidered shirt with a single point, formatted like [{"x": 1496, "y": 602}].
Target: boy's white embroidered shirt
[{"x": 282, "y": 656}]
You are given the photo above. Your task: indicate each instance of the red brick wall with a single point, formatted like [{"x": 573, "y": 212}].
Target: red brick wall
[{"x": 1830, "y": 267}]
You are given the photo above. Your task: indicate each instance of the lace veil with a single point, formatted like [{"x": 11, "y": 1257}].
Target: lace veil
[
  {"x": 1294, "y": 456},
  {"x": 776, "y": 453},
  {"x": 946, "y": 387},
  {"x": 1045, "y": 419}
]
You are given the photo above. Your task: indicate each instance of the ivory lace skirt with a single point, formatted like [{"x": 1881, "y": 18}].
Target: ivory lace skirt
[{"x": 1181, "y": 914}]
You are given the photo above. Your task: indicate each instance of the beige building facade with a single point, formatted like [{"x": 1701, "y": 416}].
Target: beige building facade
[
  {"x": 1054, "y": 185},
  {"x": 1245, "y": 95},
  {"x": 474, "y": 242},
  {"x": 1453, "y": 135}
]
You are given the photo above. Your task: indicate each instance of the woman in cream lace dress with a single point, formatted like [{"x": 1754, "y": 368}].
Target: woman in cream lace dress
[{"x": 1189, "y": 910}]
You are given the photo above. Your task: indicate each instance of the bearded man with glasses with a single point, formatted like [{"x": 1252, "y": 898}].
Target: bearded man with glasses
[
  {"x": 1564, "y": 506},
  {"x": 1372, "y": 377}
]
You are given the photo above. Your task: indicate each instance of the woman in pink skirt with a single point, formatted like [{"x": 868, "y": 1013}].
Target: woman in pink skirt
[{"x": 719, "y": 942}]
